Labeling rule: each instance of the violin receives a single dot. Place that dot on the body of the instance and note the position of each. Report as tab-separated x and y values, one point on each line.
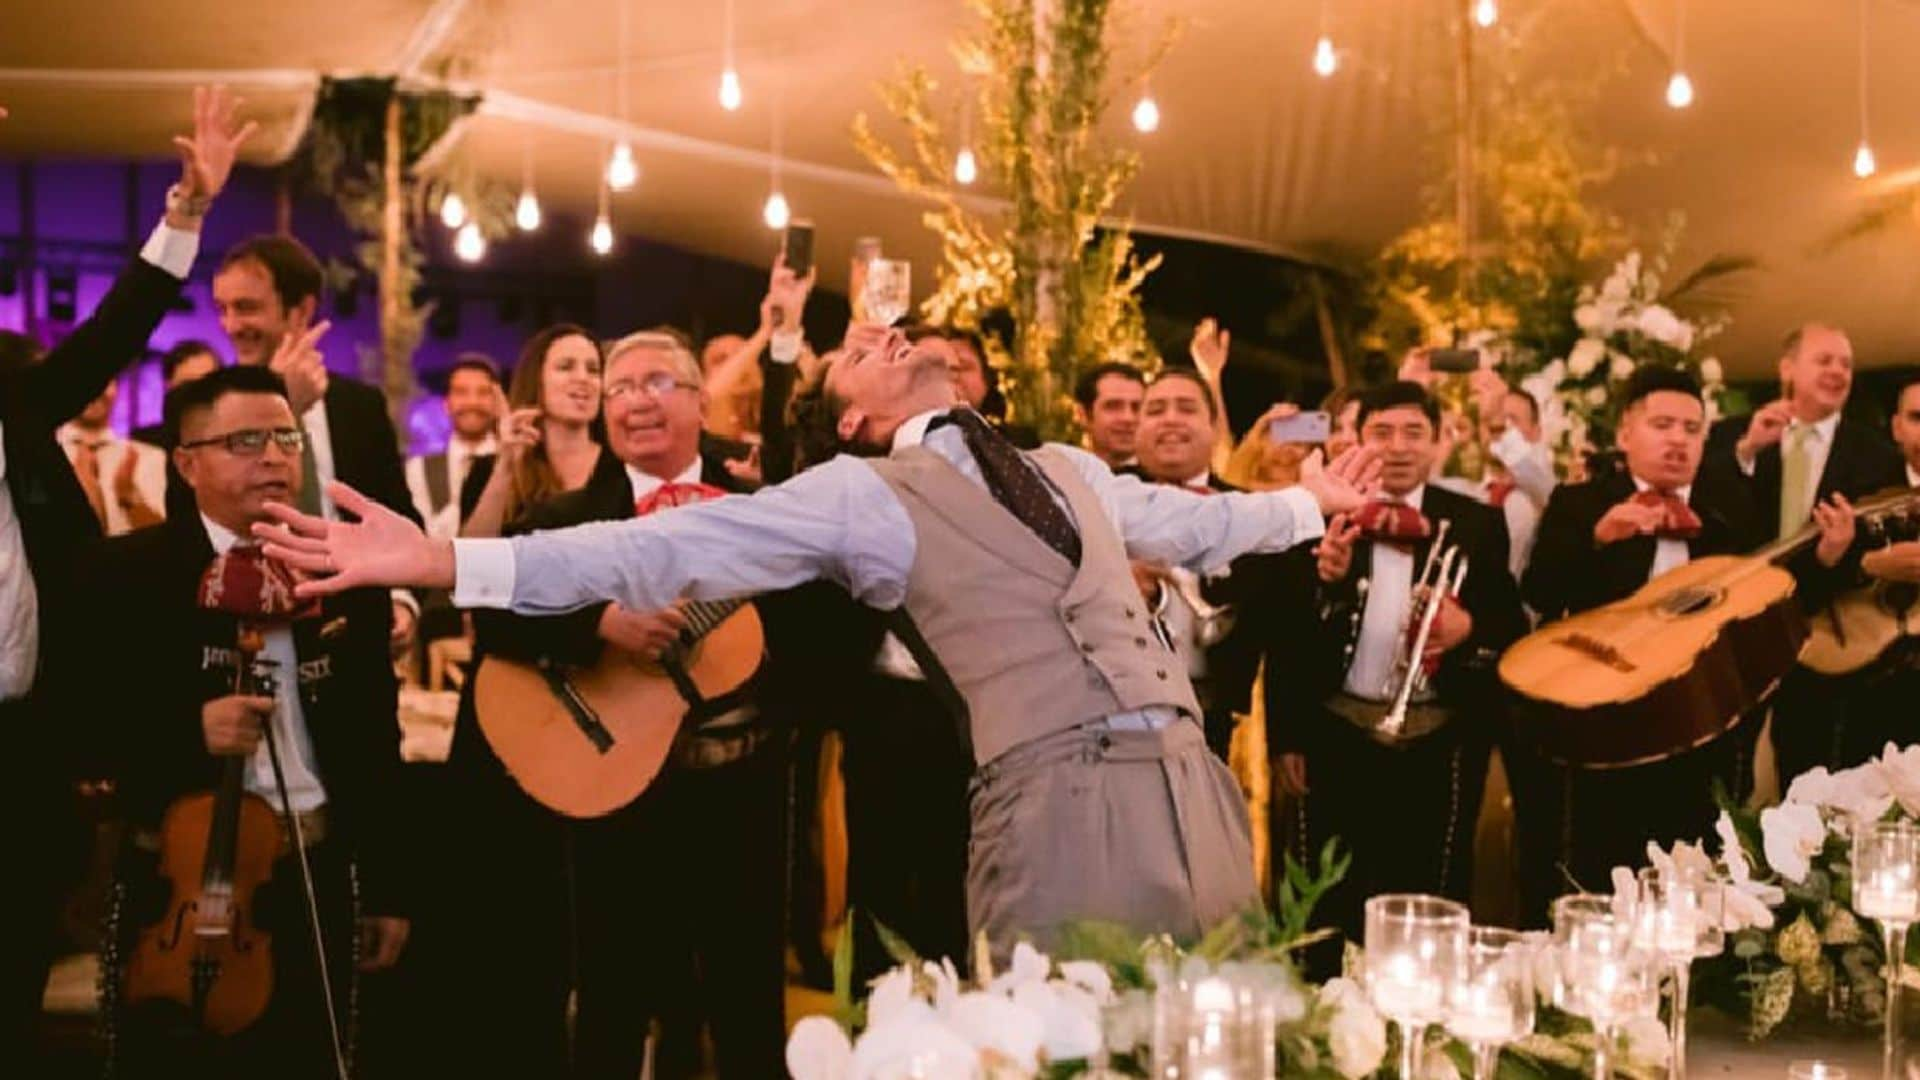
216	849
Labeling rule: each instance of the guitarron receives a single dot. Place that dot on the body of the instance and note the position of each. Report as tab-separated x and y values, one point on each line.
1672	666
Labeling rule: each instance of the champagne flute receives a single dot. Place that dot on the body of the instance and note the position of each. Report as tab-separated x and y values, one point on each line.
1415	946
1491	1004
888	291
1605	975
1679	919
1886	889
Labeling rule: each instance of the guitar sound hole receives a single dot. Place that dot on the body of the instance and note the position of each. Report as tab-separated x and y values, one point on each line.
1690	602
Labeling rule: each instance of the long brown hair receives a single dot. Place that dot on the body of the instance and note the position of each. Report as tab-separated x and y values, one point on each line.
534	478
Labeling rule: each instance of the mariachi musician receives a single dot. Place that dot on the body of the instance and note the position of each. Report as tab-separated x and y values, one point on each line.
1892	685
1599	542
669	909
1401	792
171	699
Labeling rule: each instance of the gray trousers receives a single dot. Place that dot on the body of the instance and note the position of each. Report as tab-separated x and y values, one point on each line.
1143	828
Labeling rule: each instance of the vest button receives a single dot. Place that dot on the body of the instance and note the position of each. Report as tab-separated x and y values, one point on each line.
1128	612
1161	674
1086	646
1140	641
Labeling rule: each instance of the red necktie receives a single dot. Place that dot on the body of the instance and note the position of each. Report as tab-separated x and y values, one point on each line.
1395	523
1498	490
1679	522
672	494
1198	489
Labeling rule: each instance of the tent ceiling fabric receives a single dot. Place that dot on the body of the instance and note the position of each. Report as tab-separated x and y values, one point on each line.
1253	150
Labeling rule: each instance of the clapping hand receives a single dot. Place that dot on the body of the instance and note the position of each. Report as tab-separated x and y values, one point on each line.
1627	519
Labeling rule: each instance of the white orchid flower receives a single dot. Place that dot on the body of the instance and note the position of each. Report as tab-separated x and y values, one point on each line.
1585	357
1791	835
1069	1015
818	1050
914	1043
1356	1034
1089	976
992	1021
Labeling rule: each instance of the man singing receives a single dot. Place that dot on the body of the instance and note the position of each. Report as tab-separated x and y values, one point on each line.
1095	796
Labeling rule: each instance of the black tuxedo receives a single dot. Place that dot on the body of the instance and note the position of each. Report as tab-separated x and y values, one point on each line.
1580	823
1418	838
57	531
166	658
717	834
1811	712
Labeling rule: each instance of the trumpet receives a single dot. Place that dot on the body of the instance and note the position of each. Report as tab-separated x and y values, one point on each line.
1441	577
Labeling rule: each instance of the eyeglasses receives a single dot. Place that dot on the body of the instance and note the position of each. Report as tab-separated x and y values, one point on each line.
249	442
657	386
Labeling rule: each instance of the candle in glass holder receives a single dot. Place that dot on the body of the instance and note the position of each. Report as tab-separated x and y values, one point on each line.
1402	990
1815	1070
1483	1015
1889	895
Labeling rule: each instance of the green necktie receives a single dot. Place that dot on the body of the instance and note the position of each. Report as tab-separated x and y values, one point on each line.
1796	480
309	473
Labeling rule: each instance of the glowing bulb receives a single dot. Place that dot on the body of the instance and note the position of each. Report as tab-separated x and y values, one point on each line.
1679	90
453	210
602	236
1325	60
776	213
526	212
1486	13
1863	162
469	244
621	169
965	169
1146	114
730	90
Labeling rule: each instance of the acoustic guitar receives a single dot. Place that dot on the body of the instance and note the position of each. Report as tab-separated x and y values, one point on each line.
1859	627
1674	665
587	741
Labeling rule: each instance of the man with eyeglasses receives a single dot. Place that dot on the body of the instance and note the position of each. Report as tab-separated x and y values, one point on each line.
712	824
172	716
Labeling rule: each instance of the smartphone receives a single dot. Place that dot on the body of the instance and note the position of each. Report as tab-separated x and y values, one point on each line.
1302	427
799	247
1454	361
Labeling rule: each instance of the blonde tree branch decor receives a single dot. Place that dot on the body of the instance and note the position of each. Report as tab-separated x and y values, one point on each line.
1040	72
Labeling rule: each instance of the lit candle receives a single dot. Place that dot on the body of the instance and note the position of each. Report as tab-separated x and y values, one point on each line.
1482	1015
1402	991
1888	895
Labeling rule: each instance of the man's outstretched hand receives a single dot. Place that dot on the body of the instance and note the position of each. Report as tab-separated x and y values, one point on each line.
382	548
1345	485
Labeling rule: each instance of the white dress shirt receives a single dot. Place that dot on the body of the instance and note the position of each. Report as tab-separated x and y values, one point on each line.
1384	622
839	521
169	249
445	525
1819	445
304	790
1668	552
320	445
110	450
1913	477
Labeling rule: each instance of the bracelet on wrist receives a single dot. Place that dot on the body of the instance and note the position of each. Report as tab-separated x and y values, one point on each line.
180	202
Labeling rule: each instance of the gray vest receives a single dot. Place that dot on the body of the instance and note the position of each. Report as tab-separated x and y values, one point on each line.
1033	645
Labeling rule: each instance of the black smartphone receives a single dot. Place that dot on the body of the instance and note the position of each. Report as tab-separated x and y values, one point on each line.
1454	361
799	247
1312	426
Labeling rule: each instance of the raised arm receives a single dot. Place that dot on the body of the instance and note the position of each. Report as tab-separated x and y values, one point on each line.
838	521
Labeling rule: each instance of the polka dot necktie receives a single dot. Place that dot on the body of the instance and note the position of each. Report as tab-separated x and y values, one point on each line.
1015	483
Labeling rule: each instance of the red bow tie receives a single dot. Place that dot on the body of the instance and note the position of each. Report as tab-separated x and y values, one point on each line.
1679	522
1498	491
672	494
1395	523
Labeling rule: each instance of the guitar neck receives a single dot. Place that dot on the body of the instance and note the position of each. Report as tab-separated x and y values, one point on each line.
1870	510
704	615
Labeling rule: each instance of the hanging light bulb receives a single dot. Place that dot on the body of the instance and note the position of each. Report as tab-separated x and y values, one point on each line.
730	90
1486	13
1146	115
526	212
1679	90
776	213
622	170
453	210
1863	163
601	238
1325	60
965	169
469	244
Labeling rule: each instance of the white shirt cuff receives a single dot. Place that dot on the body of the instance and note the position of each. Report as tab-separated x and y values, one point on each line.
172	250
784	348
483	573
1307	522
405	599
1746	464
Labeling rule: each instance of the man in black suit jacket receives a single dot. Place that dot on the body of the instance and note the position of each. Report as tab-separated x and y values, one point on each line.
46	530
1600	541
173	718
723	791
1404	801
1798	453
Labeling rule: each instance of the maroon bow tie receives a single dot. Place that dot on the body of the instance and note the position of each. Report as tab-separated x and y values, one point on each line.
1394	523
1678	522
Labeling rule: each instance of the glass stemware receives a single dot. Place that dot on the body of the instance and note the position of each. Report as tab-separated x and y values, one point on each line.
888	290
1886	889
1679	917
1604	974
1415	948
1491	1003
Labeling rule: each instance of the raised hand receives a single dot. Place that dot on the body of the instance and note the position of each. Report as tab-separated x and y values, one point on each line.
1334	554
298	362
517	432
786	297
1209	348
206	159
1345	485
382	548
1764	429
